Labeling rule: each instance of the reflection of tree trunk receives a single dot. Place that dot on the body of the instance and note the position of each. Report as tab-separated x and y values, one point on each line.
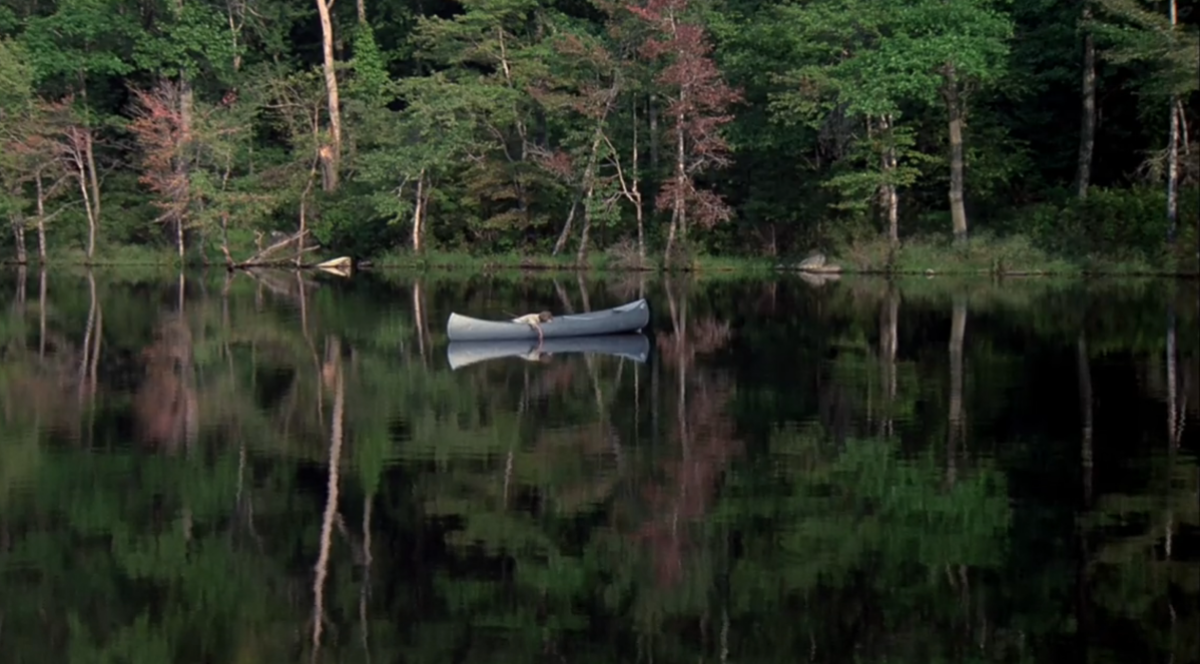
365	593
724	656
583	292
958	326
563	297
419	318
18	228
1172	381
97	336
42	313
20	300
89	331
89	360
679	325
180	292
303	301
331	496
225	321
888	343
1085	412
1083	614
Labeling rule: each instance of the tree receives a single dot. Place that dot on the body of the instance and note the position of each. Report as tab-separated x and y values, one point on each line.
193	163
162	129
851	87
954	47
426	143
1087	123
699	105
1133	32
81	41
16	101
586	87
494	52
331	155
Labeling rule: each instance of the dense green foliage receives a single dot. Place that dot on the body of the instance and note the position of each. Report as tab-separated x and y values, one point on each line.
841	484
539	126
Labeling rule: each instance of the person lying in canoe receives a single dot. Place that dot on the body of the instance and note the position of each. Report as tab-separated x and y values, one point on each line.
535	321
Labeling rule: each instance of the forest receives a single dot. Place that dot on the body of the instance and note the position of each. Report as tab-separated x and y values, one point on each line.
233	131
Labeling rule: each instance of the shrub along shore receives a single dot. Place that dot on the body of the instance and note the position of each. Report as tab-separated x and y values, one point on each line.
932	255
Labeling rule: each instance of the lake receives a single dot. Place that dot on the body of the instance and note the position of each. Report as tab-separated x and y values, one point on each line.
283	467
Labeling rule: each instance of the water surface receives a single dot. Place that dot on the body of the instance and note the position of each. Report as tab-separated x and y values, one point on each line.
277	467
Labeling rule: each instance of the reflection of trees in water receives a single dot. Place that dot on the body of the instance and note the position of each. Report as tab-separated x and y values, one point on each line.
867	537
55	384
686	478
165	405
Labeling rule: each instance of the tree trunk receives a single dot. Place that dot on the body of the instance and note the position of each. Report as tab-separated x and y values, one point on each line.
585	196
312	176
18	226
418	213
93	178
41	232
41	218
1173	154
92	210
561	242
678	218
186	99
93	205
361	7
652	111
891	201
958	211
581	253
1087	125
1173	173
331	92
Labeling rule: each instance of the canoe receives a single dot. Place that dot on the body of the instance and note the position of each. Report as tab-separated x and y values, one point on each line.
634	347
630	317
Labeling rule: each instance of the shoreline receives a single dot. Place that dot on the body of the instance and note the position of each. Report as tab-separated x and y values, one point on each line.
984	257
750	269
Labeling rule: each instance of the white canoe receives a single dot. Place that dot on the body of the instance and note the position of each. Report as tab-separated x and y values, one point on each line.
630	317
634	347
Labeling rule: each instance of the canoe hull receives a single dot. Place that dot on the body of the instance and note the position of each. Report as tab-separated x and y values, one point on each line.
630	317
634	347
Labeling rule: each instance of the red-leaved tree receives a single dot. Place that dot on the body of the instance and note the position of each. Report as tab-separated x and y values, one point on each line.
699	103
159	129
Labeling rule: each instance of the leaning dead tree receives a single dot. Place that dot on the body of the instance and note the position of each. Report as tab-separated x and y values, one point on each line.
284	249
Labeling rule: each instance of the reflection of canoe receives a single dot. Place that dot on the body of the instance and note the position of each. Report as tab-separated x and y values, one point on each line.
630	346
625	318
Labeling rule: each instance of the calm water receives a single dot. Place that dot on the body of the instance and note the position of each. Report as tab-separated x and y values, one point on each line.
270	468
